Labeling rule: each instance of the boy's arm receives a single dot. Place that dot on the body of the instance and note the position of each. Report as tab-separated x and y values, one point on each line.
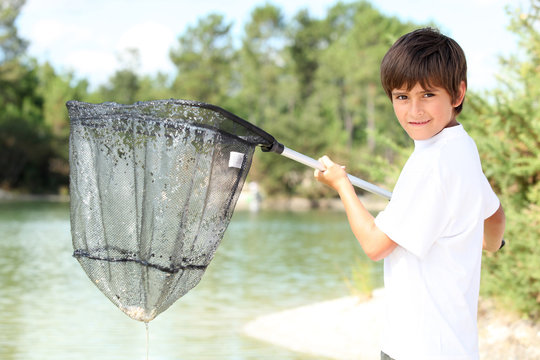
494	230
376	244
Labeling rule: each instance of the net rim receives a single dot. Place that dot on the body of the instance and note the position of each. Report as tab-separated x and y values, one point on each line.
271	143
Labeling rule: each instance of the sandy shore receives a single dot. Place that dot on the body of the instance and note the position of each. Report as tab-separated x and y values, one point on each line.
349	329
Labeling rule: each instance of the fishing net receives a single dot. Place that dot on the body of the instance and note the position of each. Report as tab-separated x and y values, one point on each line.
153	188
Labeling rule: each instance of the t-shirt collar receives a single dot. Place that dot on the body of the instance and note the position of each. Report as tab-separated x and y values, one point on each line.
446	133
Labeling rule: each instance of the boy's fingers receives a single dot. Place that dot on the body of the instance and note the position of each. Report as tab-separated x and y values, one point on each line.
325	160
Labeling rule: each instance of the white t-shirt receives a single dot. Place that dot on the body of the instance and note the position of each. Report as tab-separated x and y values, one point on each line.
432	279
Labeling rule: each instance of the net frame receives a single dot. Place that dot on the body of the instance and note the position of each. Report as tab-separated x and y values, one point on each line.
102	258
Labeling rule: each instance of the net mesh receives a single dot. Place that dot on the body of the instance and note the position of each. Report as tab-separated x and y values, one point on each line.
153	188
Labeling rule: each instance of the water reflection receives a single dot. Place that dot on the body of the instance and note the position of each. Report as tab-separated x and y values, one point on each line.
266	262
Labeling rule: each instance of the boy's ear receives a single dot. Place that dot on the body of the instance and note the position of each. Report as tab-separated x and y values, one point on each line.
462	91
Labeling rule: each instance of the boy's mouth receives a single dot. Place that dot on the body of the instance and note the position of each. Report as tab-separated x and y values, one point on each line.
419	123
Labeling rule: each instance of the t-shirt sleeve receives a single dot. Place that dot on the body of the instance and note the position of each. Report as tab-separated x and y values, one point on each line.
417	214
491	200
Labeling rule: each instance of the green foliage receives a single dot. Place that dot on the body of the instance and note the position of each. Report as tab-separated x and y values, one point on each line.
203	60
24	141
20	131
11	45
512	275
124	85
506	126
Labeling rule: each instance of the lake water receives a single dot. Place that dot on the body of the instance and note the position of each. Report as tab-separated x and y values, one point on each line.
267	262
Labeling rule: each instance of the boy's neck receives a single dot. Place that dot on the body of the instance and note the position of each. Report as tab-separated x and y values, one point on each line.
452	123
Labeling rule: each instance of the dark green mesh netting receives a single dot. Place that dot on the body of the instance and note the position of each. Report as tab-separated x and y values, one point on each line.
153	188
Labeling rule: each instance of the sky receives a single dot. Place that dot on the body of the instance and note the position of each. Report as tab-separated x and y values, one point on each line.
88	37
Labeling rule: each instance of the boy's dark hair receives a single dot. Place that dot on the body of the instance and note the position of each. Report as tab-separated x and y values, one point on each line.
427	57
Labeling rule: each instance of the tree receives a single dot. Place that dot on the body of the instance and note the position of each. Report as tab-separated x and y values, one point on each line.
260	66
310	37
123	85
55	90
203	60
11	45
24	140
268	95
11	48
33	119
348	106
506	127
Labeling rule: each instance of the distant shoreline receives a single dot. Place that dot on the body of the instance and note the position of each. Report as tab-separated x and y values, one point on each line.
10	196
372	202
280	203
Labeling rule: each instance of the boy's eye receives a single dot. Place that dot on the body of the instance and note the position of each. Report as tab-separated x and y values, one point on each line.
401	97
429	95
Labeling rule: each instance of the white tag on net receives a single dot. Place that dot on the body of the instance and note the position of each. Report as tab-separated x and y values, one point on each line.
236	159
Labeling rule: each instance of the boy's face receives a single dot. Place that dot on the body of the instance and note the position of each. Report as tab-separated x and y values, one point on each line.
423	113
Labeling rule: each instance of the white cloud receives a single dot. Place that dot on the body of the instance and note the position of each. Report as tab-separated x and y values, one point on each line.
489	2
45	33
49	33
96	65
43	6
153	41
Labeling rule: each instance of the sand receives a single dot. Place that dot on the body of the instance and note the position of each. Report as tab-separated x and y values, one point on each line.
349	329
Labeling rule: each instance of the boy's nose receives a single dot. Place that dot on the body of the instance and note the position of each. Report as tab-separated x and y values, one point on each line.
416	108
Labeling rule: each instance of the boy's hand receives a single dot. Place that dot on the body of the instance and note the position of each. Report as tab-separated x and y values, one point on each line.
376	244
334	175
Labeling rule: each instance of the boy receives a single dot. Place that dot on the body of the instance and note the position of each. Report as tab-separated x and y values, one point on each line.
430	234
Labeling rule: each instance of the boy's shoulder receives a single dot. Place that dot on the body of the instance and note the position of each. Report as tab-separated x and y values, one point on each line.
450	154
458	148
452	143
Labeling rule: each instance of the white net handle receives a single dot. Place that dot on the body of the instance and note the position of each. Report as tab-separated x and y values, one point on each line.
362	184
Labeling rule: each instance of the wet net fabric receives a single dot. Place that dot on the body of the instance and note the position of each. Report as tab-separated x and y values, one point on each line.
153	188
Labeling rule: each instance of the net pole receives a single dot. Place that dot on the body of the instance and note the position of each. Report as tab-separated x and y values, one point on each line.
362	184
